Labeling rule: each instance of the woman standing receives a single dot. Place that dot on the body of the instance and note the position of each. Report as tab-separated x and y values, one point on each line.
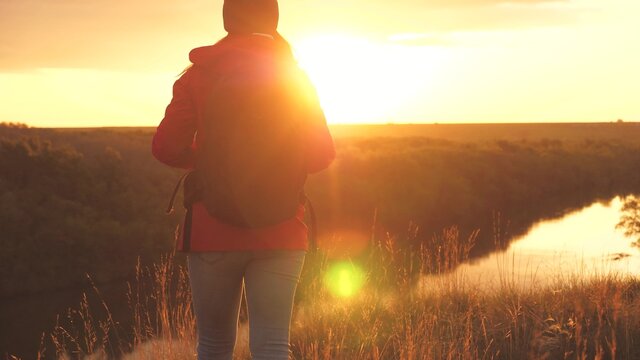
247	121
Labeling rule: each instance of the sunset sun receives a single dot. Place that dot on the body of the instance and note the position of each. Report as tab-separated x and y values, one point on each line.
360	80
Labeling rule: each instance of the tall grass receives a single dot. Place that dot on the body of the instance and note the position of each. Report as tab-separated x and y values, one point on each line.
413	305
162	323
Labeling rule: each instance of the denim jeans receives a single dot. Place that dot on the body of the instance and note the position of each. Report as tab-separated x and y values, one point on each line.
270	280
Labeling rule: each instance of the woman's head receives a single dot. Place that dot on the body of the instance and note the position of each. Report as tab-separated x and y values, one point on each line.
250	16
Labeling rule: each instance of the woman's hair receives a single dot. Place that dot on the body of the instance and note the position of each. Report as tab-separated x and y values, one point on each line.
250	16
185	70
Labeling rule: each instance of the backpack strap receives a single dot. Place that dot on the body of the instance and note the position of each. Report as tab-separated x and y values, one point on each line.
186	235
313	225
171	208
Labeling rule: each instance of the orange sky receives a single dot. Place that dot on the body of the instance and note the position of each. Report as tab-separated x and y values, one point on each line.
112	62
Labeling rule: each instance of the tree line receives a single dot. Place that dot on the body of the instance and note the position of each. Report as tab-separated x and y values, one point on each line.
92	201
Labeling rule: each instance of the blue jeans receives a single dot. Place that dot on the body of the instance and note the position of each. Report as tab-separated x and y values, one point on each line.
270	281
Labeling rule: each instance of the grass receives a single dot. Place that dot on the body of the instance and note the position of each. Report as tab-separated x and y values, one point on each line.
413	305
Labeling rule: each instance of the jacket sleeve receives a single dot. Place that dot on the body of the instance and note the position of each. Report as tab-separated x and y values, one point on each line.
173	142
320	147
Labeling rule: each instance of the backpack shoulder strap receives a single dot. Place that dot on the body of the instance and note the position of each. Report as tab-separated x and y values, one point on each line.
313	224
170	207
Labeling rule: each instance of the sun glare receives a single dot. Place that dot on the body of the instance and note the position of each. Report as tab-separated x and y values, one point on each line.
344	279
362	81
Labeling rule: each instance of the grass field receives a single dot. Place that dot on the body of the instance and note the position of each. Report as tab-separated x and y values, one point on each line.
619	131
410	306
490	132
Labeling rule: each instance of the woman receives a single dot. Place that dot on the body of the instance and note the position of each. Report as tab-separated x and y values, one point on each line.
223	253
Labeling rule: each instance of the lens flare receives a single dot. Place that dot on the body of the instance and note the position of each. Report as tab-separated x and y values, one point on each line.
344	279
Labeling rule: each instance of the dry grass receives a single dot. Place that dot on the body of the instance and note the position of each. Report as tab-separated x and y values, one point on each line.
412	306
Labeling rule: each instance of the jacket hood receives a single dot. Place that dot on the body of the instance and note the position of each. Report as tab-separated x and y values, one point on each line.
243	46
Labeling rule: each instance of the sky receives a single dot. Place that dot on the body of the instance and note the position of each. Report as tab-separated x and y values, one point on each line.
77	63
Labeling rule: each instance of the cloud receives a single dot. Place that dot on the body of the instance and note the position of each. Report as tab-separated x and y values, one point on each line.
147	34
100	33
481	3
421	39
470	15
382	18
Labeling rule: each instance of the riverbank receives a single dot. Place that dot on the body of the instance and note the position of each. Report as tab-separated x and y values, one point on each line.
598	320
409	304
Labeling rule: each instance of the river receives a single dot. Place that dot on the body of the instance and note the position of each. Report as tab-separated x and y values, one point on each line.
583	243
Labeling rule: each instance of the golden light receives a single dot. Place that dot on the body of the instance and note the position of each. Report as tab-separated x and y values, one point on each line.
360	80
85	97
344	279
345	243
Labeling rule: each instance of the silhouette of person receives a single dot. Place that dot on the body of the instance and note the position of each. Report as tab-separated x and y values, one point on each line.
223	256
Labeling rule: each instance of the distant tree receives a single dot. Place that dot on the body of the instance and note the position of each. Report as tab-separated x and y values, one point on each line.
13	125
109	167
630	220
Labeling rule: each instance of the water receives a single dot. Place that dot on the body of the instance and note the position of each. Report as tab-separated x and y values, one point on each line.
583	243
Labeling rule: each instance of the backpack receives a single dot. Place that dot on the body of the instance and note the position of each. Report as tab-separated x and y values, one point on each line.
251	170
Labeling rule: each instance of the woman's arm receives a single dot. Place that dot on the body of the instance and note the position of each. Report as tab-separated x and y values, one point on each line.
321	151
173	142
320	147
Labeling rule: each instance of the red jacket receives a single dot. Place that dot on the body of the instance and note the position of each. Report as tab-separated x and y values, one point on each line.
176	144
